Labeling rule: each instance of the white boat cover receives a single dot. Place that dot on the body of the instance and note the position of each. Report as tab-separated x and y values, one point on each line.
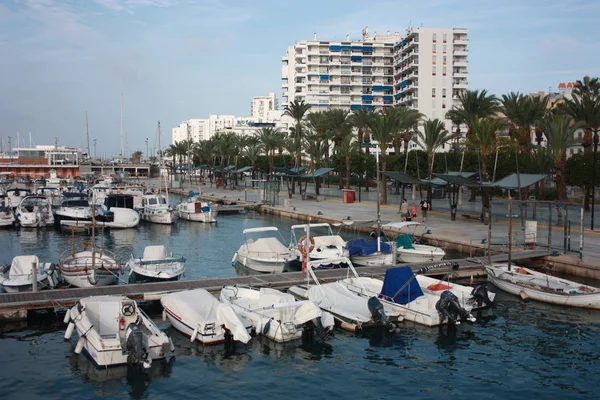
268	245
154	253
306	312
329	240
339	300
198	305
272	297
21	266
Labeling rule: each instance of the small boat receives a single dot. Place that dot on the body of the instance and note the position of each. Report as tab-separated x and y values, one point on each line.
119	212
156	209
20	275
369	252
328	246
94	266
408	248
201	316
34	211
530	284
75	207
195	210
113	331
277	315
7	216
266	254
472	298
350	309
155	265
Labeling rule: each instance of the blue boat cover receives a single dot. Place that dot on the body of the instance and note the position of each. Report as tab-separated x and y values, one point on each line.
364	247
396	278
205	209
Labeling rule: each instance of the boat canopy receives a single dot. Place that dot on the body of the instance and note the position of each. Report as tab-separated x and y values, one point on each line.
153	253
22	266
400	285
262	229
319	225
365	247
401	225
267	246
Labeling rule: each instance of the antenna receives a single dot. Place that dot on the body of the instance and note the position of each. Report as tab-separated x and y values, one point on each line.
55	142
87	134
122	139
314	35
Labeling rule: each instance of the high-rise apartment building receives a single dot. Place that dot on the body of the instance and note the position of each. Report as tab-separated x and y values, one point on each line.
423	69
261	107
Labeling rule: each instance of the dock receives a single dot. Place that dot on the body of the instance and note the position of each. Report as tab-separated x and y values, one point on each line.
14	306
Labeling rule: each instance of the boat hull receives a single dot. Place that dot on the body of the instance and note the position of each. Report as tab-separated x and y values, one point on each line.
374	259
269	266
420	253
19	287
205	217
166	218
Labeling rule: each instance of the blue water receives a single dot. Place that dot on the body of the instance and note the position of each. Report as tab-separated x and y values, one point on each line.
517	350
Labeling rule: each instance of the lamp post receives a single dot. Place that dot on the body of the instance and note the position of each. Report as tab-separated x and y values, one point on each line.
594	175
95	142
147	155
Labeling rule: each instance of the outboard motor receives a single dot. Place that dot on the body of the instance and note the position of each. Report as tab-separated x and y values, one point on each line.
378	313
134	341
317	326
480	296
449	308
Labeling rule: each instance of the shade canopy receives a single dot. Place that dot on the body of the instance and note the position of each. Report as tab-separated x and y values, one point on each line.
317	173
402	178
243	169
456	179
512	181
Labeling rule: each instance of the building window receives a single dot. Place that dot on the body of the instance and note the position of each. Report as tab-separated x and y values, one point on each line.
443	105
444	48
434	38
432	92
444	71
433	70
434	48
444	92
433	59
445	37
444	60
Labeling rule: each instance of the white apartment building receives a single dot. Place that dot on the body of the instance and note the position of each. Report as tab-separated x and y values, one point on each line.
423	69
261	108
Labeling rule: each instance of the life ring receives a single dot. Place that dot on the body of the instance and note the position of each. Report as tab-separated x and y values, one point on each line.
301	245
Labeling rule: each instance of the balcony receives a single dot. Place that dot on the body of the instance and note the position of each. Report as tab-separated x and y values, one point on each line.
461	62
460	53
462	74
460	84
459	40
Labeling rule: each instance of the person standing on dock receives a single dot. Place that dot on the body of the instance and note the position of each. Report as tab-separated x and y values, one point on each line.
404	209
424	209
413	212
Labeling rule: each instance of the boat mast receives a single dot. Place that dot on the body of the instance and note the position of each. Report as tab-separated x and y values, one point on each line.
87	134
378	203
122	141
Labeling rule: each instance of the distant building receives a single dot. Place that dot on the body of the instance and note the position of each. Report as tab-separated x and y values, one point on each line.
262	107
39	160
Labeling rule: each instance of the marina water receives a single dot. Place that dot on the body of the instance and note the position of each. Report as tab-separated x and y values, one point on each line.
516	350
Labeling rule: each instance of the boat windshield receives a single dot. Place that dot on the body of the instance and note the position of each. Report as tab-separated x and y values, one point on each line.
163	200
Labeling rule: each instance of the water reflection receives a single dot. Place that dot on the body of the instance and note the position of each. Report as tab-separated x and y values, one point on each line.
136	377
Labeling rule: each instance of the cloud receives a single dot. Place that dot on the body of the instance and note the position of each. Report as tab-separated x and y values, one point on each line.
130	5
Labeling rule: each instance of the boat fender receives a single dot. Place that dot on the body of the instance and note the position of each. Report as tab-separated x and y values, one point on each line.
164	315
171	345
69	330
80	344
327	320
349	326
524	296
194	334
266	328
67	317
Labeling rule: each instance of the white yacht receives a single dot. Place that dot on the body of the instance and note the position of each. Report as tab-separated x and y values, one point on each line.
321	246
15	195
193	209
156	209
34	211
264	254
113	330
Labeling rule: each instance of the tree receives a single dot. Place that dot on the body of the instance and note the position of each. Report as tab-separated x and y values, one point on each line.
560	132
270	140
383	126
523	113
578	170
136	157
338	122
431	139
297	110
348	146
360	120
408	120
252	152
474	104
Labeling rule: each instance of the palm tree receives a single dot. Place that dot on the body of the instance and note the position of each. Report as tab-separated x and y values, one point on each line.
338	121
360	119
270	141
523	112
560	132
474	104
297	110
431	139
347	147
484	137
383	127
317	121
315	148
408	119
136	157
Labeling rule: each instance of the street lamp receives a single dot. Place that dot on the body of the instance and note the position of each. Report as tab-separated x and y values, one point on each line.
146	148
95	141
594	175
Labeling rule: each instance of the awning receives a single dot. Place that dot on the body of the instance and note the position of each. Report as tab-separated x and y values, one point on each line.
286	171
317	173
243	169
455	179
402	178
511	181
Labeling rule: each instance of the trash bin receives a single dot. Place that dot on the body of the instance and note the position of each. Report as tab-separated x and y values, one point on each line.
348	195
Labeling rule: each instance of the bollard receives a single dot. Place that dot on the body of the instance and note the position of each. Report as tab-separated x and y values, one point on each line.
34	282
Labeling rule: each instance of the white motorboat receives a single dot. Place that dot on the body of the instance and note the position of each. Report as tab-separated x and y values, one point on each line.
539	286
20	275
471	298
350	309
34	211
15	195
94	266
53	195
265	254
371	252
156	265
400	291
409	251
199	315
113	330
7	216
75	207
277	315
321	247
156	209
119	212
195	210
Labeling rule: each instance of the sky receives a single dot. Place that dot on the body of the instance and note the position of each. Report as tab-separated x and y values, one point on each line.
178	59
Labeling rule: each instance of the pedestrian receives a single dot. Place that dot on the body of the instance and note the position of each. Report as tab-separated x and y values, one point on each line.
424	209
413	212
404	209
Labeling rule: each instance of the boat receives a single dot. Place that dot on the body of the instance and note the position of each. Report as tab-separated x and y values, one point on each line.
322	247
371	251
119	212
155	265
53	179
265	254
409	248
530	284
193	209
351	310
7	216
201	316
401	292
15	195
155	209
93	266
75	207
20	275
275	314
52	194
113	330
99	193
34	211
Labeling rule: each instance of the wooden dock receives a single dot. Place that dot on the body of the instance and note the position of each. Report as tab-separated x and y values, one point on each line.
14	306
